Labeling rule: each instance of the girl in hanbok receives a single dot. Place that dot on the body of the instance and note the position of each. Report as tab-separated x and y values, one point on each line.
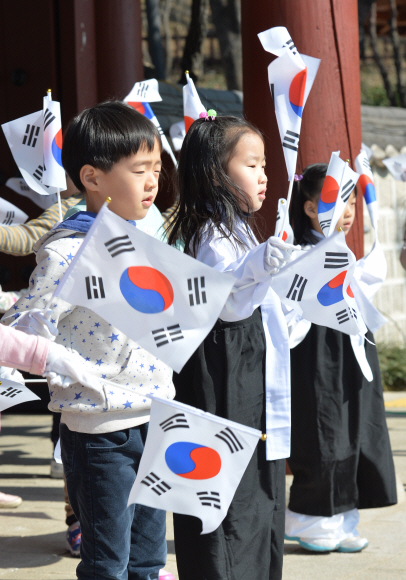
241	370
341	457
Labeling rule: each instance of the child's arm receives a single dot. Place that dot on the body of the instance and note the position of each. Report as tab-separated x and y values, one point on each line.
23	352
249	270
45	278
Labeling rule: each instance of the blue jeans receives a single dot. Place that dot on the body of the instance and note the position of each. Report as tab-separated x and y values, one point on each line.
118	542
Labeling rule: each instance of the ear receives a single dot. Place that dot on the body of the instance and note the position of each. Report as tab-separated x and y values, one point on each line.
311	209
89	177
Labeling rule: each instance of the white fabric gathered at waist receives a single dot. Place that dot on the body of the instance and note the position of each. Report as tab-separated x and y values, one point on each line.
337	527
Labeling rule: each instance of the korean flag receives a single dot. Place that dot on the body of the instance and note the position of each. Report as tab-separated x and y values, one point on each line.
192	463
25	139
13	393
54	173
162	299
317	286
366	181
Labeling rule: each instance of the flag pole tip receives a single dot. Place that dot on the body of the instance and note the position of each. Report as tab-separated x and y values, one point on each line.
108	199
347	160
339	229
49	91
263	437
282	201
186	72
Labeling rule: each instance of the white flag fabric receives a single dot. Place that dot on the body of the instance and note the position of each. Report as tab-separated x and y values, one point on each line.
144	92
145	109
317	286
291	77
338	185
11	215
18	185
25	139
397	166
162	299
192	105
287	235
192	462
13	393
366	181
54	173
177	132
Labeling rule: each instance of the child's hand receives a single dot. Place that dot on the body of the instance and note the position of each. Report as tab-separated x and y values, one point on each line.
37	322
64	368
275	261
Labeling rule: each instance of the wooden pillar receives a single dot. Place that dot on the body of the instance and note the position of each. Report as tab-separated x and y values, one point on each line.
332	117
119	47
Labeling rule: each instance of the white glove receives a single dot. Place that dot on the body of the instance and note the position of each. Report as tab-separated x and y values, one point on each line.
11	375
64	368
277	254
37	322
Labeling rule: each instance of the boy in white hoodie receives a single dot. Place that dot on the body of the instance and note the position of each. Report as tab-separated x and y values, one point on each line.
109	150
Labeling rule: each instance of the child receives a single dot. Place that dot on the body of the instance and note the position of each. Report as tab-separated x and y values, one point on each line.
109	150
341	458
241	370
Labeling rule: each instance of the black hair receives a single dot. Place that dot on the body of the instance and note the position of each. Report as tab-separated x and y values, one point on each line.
103	135
307	189
206	199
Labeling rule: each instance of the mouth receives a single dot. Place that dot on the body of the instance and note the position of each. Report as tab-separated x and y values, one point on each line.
262	194
148	200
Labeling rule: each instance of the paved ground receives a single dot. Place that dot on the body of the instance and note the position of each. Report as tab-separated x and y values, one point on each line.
32	542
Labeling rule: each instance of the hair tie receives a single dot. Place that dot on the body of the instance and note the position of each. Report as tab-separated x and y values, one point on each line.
209	116
298	177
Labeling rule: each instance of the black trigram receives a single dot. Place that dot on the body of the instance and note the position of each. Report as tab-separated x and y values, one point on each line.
209	498
24	187
142	90
229	437
172	333
38	173
336	260
8	220
156	484
31	135
289	44
177	421
346	190
94	287
366	164
345	315
291	140
48	118
119	245
273	93
160	130
11	392
325	224
297	288
197	288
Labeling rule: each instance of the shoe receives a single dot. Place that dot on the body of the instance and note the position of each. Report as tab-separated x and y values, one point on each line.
73	539
292	538
165	575
353	544
9	501
319	544
56	470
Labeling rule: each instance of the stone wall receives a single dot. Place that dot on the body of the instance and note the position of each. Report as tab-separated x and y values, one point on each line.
391	298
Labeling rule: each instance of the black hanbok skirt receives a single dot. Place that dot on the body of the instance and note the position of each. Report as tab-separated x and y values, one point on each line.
226	377
341	456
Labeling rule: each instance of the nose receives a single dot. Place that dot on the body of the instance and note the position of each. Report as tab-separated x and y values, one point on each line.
263	178
151	181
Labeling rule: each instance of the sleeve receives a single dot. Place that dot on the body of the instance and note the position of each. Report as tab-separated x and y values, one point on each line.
20	240
51	265
22	351
252	283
